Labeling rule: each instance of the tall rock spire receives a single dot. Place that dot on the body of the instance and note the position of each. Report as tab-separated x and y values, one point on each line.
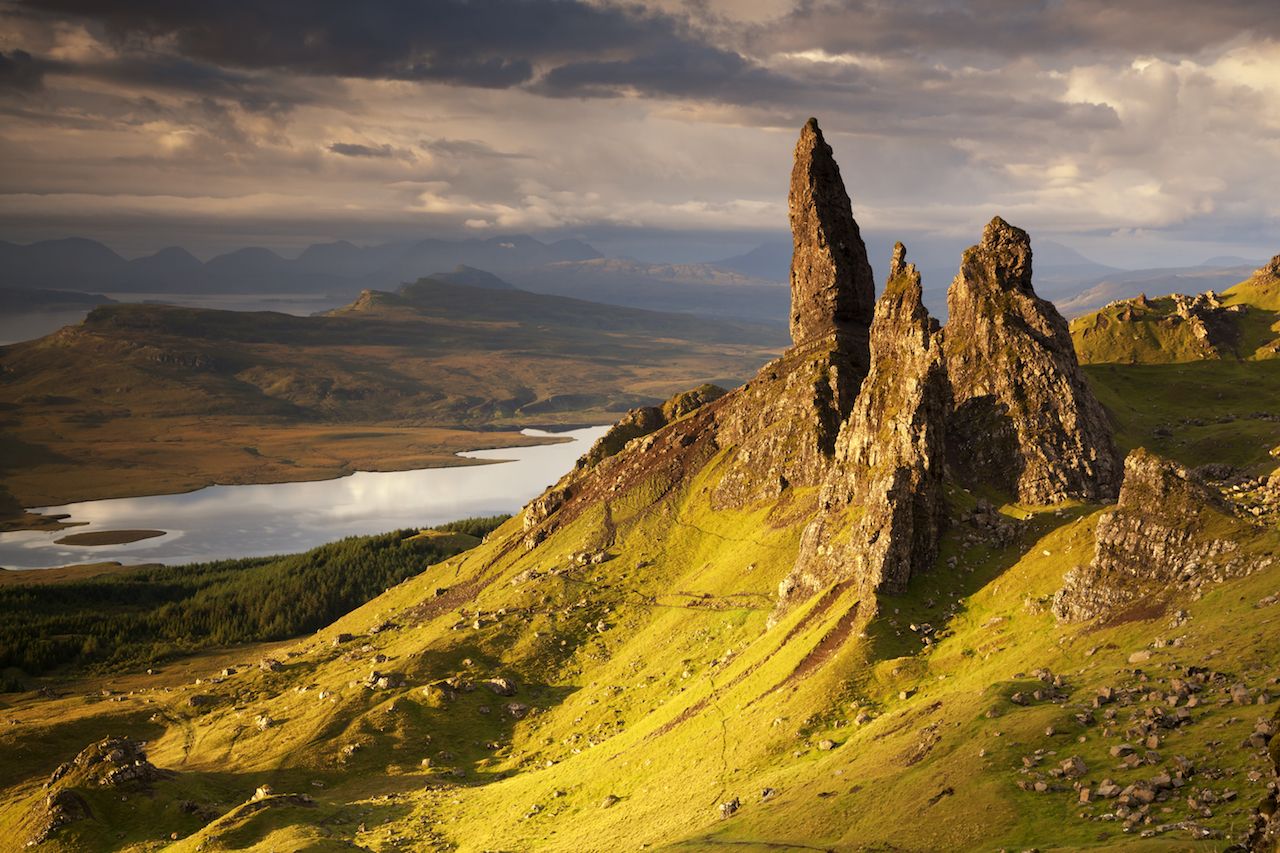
1025	419
881	509
832	288
786	420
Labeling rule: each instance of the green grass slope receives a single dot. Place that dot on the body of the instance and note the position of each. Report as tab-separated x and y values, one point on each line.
1242	324
650	692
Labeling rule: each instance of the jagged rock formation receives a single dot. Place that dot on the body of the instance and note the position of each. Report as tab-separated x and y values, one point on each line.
639	422
785	421
783	424
832	288
1212	323
1173	328
1157	538
1024	418
881	509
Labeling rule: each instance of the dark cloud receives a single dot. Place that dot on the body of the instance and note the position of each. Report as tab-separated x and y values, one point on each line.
1017	28
355	149
20	72
675	70
485	43
472	148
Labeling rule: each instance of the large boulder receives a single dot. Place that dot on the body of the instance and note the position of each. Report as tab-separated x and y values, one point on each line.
1164	534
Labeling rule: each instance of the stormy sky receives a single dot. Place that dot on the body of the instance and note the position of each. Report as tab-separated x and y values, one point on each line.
1138	132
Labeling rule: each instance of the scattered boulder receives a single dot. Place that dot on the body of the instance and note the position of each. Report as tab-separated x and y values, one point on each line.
501	686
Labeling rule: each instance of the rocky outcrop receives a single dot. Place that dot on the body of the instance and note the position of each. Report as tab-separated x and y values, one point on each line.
832	288
113	762
1024	420
783	424
1156	539
1170	329
1212	323
881	508
779	430
637	424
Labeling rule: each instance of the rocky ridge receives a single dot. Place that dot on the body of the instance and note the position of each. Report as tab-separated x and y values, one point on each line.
1164	533
886	479
1195	327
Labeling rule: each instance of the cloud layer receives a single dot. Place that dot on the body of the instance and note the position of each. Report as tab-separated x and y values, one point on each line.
1149	123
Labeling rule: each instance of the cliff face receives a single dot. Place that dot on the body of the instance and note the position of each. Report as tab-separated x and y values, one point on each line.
1024	419
1160	536
881	509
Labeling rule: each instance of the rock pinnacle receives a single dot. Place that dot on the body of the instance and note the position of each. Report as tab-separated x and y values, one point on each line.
832	288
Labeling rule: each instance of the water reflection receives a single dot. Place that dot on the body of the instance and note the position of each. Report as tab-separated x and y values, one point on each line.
245	521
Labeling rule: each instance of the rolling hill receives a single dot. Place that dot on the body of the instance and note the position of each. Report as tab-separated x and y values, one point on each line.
1241	323
116	405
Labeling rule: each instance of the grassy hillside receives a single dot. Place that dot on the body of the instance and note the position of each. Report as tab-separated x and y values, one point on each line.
650	690
141	399
1242	324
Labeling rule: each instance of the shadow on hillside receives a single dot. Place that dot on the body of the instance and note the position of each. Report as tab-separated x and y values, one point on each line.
934	599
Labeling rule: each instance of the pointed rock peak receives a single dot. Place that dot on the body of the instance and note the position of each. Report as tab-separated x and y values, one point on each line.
903	299
1025	419
832	289
1272	268
898	263
882	506
1005	251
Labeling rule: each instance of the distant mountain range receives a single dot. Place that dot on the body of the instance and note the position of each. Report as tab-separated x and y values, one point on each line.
749	286
339	268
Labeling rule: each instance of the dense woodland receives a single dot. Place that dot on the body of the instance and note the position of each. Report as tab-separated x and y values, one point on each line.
149	614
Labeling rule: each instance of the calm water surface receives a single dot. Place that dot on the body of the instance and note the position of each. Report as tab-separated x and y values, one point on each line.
221	522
